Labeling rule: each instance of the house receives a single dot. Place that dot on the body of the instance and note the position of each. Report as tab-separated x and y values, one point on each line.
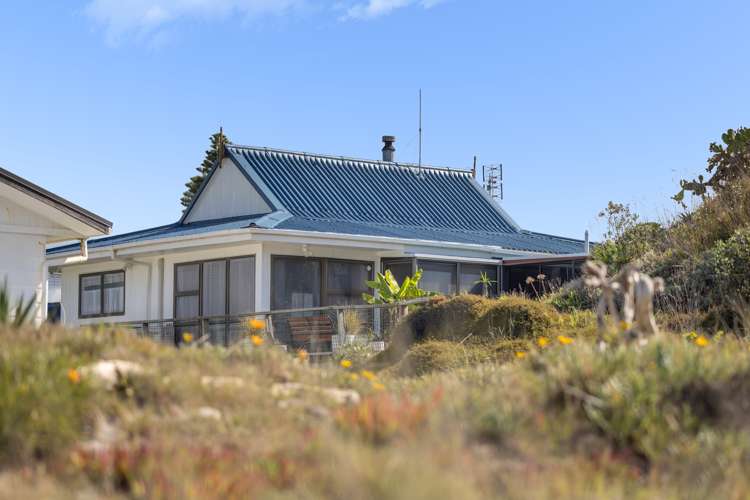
274	230
31	218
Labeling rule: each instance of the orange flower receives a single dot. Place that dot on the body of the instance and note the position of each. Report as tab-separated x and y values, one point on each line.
701	341
369	375
378	386
542	341
302	355
564	340
256	324
257	340
74	376
345	363
187	337
354	377
520	354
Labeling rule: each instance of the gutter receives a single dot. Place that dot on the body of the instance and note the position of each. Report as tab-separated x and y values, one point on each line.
60	260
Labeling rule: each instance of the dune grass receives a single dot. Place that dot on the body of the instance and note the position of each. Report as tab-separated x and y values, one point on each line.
668	419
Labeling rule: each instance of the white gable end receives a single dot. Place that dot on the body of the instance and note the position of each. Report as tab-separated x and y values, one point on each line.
227	194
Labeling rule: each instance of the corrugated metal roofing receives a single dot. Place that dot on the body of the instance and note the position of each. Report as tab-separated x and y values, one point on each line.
373	192
168	231
319	193
523	241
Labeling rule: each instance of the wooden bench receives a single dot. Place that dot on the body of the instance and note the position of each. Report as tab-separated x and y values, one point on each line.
313	332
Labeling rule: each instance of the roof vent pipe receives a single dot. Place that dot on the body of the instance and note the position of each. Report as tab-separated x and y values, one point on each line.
389	151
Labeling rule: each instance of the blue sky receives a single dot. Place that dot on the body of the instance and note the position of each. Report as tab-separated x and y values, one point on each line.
110	102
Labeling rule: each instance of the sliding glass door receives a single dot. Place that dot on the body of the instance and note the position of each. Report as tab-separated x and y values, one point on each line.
216	290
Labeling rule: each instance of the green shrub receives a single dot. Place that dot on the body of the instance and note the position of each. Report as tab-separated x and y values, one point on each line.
514	316
442	355
43	406
572	297
472	319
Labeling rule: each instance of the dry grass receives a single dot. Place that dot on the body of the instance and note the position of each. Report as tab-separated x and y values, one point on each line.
667	420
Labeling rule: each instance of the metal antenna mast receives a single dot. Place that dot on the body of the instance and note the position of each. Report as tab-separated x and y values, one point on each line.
420	129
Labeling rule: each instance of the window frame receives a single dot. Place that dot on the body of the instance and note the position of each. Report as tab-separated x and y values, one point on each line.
323	262
101	275
199	292
459	264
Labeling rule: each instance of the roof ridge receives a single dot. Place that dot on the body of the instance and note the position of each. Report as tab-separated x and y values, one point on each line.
351	158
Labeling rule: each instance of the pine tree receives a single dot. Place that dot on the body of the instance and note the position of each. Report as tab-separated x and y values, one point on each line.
212	154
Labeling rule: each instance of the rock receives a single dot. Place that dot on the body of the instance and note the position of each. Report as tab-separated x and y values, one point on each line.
285	389
109	372
209	413
218	382
342	396
289	390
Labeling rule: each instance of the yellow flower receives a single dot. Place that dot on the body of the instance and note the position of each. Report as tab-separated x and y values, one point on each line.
257	340
74	376
369	375
378	386
345	363
302	355
354	377
564	340
624	326
187	337
256	324
701	341
542	342
520	354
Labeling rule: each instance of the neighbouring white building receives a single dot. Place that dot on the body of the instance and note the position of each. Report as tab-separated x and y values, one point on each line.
30	219
275	230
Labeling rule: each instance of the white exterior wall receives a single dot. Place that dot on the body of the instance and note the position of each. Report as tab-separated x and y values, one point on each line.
22	264
23	236
227	194
144	301
136	292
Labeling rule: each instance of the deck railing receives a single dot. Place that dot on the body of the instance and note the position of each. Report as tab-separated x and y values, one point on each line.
318	330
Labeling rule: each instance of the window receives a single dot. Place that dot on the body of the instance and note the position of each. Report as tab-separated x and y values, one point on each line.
400	268
472	273
214	288
101	294
346	282
298	282
438	276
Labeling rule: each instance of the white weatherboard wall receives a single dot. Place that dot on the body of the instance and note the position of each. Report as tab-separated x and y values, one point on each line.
227	194
23	236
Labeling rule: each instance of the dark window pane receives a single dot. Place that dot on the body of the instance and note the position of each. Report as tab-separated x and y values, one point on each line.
296	283
242	285
472	273
400	270
438	277
91	295
215	288
114	293
188	277
347	281
187	307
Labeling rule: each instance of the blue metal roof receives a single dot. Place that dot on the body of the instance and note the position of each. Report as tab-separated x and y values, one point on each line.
161	232
369	191
327	194
523	241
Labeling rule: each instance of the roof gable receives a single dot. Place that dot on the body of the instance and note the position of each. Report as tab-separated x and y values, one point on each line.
344	189
226	193
60	212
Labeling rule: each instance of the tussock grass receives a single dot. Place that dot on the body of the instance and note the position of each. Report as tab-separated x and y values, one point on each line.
669	419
